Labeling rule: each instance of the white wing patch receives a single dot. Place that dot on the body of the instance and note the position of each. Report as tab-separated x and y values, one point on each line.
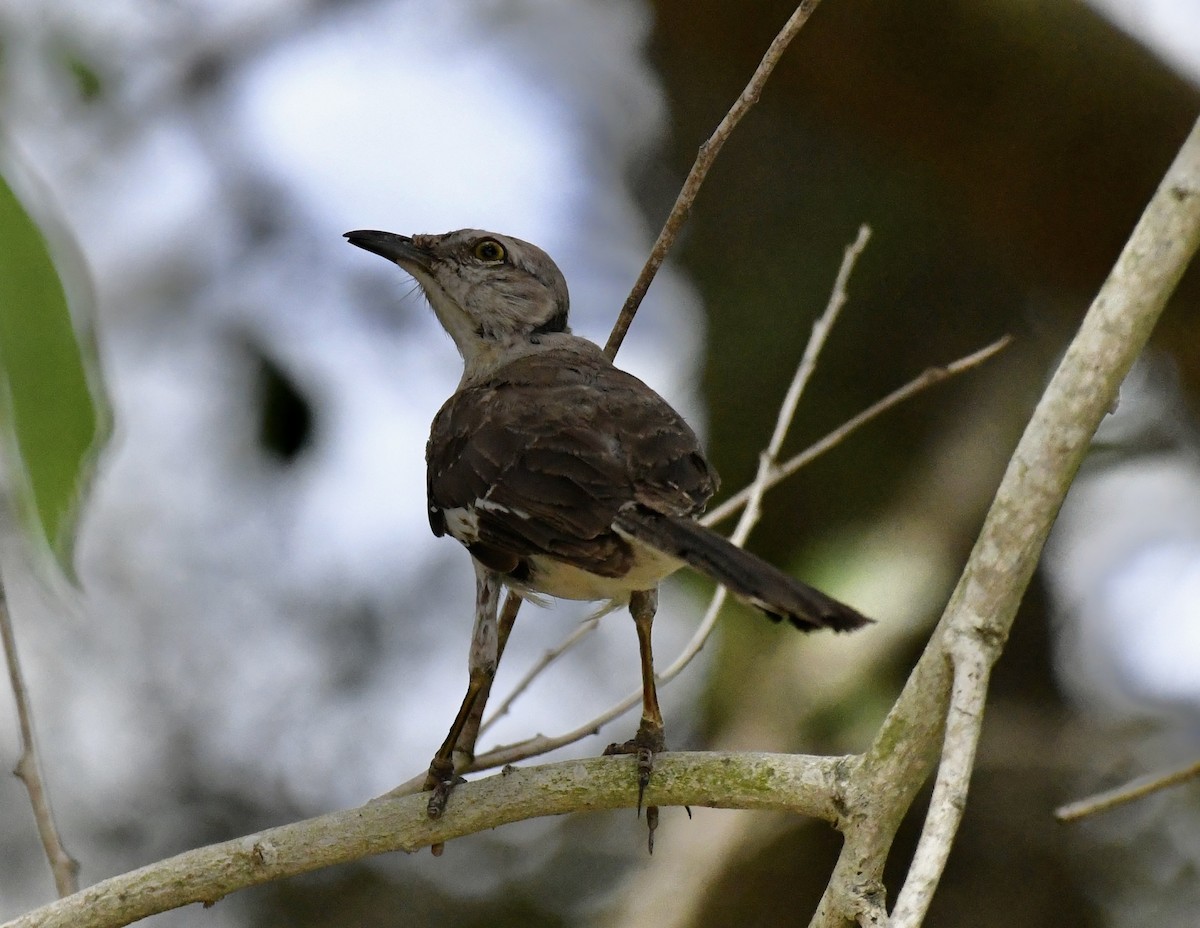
462	522
488	505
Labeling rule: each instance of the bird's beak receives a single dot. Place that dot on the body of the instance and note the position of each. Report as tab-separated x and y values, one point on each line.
397	248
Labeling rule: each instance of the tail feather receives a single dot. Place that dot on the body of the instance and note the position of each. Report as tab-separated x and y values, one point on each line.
746	576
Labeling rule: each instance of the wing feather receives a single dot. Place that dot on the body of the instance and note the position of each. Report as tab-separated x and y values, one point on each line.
547	451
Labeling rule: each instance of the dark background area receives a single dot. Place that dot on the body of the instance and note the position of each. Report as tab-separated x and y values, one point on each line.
1001	154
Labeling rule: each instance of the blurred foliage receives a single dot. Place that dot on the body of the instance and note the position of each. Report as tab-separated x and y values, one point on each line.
86	79
50	421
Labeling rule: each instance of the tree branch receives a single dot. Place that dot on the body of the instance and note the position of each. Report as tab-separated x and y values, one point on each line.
972	631
963	725
704	160
29	767
923	381
1127	792
798	784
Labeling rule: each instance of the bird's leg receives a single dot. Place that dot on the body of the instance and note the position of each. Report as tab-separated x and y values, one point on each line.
649	738
464	750
484	658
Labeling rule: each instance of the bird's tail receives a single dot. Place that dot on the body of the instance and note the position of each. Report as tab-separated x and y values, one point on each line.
746	576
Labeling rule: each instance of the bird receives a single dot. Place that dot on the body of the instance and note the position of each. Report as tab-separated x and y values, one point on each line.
563	475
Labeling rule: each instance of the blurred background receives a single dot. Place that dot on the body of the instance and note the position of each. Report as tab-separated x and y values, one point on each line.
265	629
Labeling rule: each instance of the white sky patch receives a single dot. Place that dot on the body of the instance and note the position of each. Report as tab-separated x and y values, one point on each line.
1171	28
160	189
1123	562
387	121
1154	626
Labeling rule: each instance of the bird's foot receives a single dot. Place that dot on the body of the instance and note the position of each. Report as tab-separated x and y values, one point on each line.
439	783
644	745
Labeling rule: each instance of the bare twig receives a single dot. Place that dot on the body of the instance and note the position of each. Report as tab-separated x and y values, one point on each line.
585	628
967	697
29	768
1127	792
798	784
972	631
808	364
543	744
767	460
923	381
704	160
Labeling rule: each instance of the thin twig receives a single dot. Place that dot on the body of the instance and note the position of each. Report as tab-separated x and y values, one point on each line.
585	628
543	744
767	460
923	381
816	344
704	160
1128	792
804	371
29	767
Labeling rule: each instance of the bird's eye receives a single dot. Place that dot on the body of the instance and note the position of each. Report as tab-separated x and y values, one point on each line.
490	250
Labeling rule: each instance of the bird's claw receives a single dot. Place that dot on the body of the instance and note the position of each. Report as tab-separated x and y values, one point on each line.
644	745
439	783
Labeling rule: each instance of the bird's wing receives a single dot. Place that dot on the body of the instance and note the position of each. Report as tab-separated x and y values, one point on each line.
541	457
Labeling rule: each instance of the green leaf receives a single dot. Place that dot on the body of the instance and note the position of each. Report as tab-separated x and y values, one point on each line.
49	419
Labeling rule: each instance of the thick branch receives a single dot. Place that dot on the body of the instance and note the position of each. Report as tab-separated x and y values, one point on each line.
803	785
977	620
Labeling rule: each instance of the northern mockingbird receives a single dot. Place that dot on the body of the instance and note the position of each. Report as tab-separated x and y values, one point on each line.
561	474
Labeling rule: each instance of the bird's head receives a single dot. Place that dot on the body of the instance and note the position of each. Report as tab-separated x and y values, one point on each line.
488	290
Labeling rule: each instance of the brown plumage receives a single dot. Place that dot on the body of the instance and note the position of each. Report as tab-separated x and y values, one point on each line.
562	474
535	442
